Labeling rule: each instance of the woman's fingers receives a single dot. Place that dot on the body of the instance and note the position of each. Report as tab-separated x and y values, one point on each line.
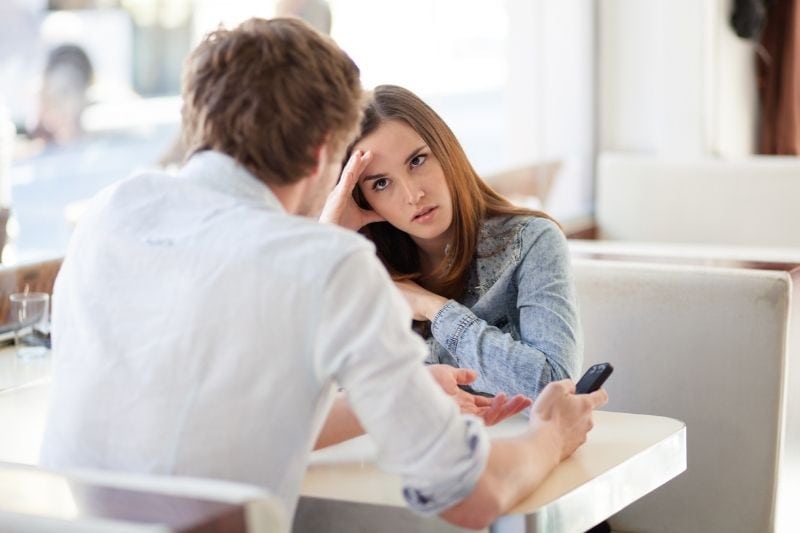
503	407
352	170
517	404
340	207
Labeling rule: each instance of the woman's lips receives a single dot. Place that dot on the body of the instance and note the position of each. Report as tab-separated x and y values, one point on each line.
426	215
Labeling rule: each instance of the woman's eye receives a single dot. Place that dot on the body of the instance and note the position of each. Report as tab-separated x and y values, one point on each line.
418	160
380	184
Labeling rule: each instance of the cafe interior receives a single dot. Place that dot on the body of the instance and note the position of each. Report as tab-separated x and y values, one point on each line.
662	135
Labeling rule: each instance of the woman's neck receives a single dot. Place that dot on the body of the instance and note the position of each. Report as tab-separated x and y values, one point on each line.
432	252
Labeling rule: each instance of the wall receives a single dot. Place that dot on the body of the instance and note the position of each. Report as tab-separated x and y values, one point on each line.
551	95
674	79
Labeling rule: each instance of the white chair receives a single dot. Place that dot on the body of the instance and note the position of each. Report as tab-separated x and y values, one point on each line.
37	500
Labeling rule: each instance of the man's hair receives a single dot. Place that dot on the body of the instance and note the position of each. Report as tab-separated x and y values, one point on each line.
269	93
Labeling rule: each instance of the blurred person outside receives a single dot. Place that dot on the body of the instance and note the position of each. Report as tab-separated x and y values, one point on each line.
63	97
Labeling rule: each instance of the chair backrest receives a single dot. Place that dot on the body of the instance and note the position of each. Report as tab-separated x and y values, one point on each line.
712	347
535	180
39	500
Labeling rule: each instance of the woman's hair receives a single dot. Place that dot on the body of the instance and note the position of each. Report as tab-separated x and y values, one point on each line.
269	93
473	200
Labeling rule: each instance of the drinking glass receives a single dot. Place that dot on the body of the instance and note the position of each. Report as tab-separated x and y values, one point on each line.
31	311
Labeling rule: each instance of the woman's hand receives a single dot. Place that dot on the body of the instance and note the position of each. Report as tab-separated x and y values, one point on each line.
492	410
340	207
424	304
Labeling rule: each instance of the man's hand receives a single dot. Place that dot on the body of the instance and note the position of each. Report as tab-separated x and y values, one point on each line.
492	410
566	416
424	304
340	207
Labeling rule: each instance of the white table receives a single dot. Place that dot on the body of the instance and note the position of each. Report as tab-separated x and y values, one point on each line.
625	457
15	372
24	386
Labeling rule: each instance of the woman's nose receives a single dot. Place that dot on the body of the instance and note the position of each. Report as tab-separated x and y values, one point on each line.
414	192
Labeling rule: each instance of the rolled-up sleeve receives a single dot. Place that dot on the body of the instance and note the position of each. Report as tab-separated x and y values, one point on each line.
366	345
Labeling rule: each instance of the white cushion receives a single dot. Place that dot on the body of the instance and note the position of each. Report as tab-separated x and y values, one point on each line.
750	202
707	346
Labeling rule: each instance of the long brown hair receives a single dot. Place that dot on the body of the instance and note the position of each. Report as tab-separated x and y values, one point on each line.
473	200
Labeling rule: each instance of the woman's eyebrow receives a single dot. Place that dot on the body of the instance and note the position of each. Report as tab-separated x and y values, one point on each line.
413	154
373	177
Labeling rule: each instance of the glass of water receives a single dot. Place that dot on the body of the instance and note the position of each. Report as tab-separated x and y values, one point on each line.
31	312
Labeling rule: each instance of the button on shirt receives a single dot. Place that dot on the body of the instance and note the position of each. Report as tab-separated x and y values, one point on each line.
201	330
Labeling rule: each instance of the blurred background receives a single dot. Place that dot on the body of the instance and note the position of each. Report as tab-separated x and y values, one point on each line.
534	89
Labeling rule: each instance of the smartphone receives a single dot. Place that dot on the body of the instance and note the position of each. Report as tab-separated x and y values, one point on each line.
467	388
594	378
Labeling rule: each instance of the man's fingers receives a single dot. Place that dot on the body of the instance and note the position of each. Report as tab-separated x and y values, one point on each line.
598	398
557	389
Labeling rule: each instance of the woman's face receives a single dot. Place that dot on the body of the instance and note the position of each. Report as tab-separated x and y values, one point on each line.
404	183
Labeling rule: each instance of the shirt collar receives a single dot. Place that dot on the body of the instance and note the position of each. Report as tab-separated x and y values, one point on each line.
222	173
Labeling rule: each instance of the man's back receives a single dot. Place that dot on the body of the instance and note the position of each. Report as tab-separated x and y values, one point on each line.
186	321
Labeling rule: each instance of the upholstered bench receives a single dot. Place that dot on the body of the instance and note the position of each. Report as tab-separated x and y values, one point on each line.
714	342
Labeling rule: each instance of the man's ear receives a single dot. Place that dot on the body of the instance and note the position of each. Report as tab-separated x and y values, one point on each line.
322	154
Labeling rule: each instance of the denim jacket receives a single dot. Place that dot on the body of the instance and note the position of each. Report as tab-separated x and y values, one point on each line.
517	323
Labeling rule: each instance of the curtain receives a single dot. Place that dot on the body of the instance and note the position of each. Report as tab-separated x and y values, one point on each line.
779	79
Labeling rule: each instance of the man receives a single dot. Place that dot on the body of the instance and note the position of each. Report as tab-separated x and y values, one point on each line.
201	323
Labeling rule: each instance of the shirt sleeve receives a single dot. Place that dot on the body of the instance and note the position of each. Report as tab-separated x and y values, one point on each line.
366	344
548	348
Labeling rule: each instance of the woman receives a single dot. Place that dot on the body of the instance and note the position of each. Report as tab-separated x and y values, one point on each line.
489	282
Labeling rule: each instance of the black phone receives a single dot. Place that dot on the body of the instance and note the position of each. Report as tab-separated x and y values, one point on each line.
594	378
467	388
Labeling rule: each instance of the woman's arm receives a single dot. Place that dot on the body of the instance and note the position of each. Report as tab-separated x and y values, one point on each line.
549	345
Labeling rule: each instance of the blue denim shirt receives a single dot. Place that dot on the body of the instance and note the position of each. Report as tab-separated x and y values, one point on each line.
517	323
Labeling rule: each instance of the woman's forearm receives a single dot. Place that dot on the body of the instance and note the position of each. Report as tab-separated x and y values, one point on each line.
503	363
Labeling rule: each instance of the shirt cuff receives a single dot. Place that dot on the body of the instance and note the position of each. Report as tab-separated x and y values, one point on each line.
457	480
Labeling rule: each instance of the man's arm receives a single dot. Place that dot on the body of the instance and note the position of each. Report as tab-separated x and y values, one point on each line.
363	343
560	421
341	424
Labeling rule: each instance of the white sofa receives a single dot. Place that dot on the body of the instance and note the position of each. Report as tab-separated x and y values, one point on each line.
747	202
720	349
